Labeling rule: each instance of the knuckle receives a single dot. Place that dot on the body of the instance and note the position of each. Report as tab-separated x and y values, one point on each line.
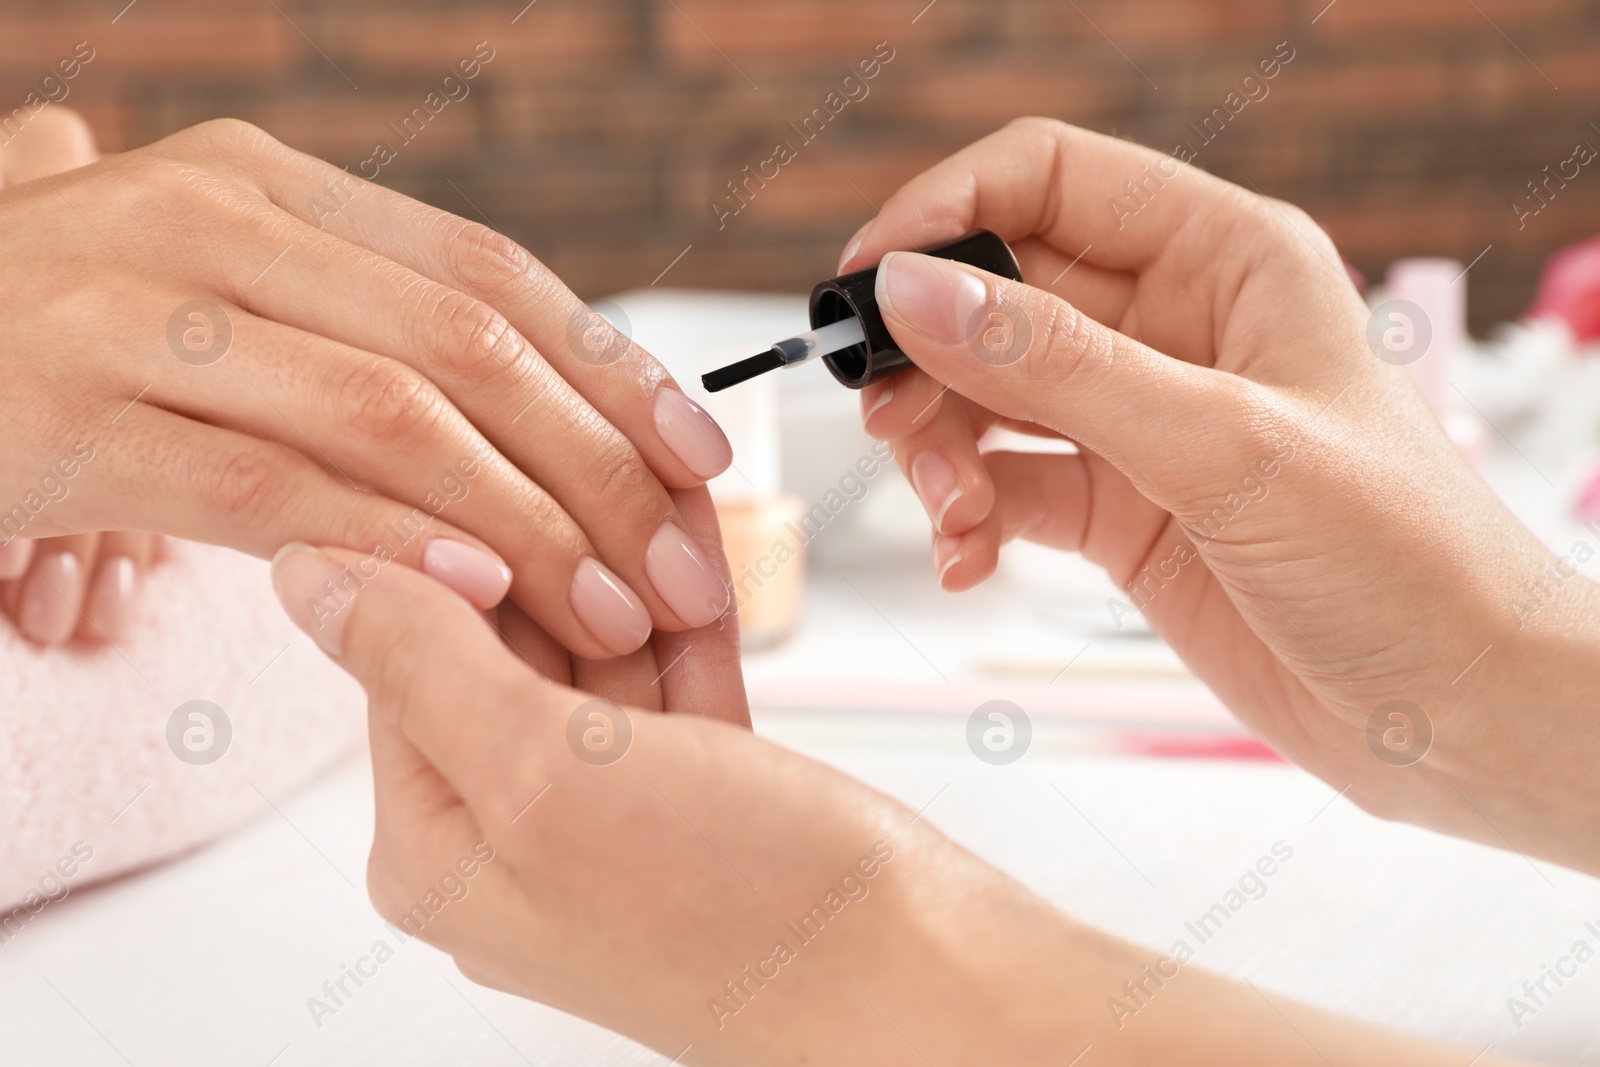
153	183
249	485
383	884
487	262
1071	342
233	134
472	340
622	474
381	400
1037	126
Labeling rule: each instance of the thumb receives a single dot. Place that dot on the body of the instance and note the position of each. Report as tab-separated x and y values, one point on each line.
57	140
1027	354
431	665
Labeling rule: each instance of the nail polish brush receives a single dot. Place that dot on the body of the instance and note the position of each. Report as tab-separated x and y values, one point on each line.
848	334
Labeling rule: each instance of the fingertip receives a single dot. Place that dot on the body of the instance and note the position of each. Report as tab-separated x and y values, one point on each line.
874	398
15	555
109	608
481	577
610	610
52	598
964	560
314	590
59	139
947	555
852	248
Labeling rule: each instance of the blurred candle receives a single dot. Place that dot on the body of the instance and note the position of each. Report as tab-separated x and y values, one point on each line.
1438	288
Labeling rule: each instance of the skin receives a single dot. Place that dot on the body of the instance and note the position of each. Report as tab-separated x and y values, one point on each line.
1290	515
111	565
1353	553
378	345
630	893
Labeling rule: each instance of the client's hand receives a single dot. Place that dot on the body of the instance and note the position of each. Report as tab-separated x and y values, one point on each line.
715	897
84	584
219	338
1277	501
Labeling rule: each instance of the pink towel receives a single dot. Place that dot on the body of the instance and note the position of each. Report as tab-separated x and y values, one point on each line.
106	765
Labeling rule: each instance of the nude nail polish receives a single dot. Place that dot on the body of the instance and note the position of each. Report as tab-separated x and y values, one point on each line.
15	555
854	244
883	400
937	486
684	577
611	611
109	608
301	576
478	576
51	594
693	435
938	298
946	554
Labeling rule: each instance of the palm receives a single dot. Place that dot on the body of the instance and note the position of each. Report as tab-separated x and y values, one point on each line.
1270	611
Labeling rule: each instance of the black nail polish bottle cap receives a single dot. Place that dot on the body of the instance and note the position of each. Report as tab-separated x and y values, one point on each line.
850	294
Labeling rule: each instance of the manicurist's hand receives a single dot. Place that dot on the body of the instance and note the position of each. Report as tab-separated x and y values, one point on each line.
84	585
610	838
222	339
1275	499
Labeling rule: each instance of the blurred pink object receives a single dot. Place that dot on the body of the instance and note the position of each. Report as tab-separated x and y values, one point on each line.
1589	502
101	770
1438	289
1569	289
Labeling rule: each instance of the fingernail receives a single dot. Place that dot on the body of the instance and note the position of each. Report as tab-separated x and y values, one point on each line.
612	612
14	557
111	597
934	479
935	297
693	435
883	398
50	597
854	246
314	590
475	574
946	554
684	578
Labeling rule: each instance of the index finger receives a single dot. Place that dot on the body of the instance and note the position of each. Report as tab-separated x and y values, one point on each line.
1043	178
680	442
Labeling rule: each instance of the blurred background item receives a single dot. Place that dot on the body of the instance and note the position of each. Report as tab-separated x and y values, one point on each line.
604	134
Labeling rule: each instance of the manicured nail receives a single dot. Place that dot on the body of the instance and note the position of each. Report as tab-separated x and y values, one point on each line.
111	597
475	574
15	555
612	612
854	246
693	435
935	297
882	400
315	591
684	577
934	479
946	554
51	594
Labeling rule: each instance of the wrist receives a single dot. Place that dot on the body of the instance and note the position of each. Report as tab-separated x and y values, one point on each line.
1514	750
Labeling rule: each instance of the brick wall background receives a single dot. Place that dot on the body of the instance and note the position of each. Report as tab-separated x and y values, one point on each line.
603	130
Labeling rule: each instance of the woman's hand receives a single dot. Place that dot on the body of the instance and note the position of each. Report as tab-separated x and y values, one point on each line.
622	856
84	585
218	338
1277	501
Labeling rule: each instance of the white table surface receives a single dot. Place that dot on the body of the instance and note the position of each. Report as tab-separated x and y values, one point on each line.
210	960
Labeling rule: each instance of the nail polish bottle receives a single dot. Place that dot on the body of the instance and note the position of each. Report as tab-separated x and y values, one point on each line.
847	331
